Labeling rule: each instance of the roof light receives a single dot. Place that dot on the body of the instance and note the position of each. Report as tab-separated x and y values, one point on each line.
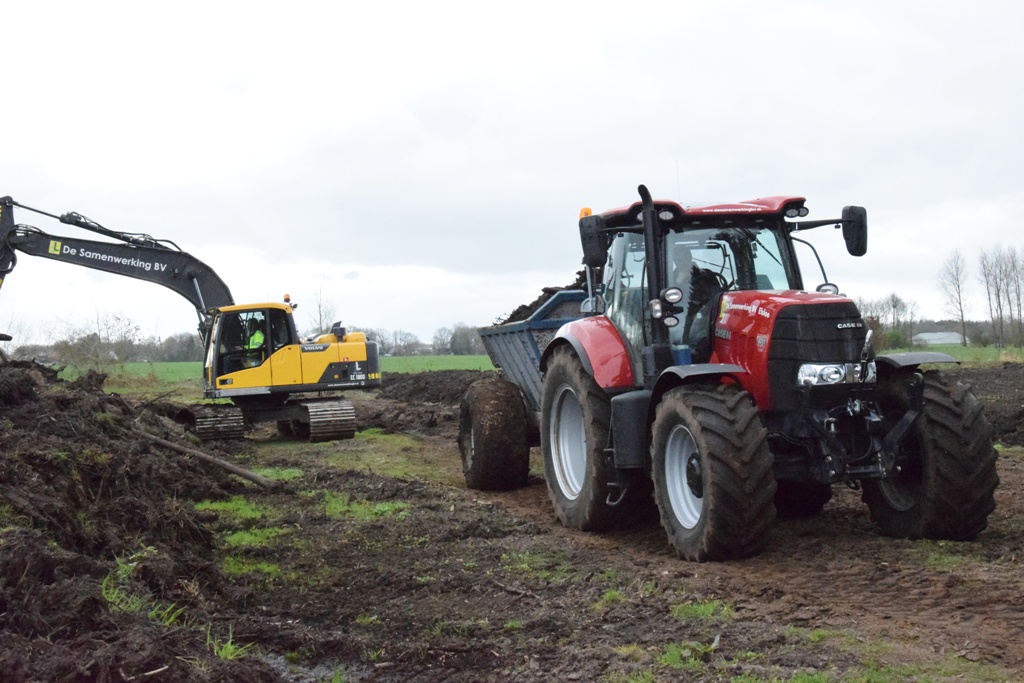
672	295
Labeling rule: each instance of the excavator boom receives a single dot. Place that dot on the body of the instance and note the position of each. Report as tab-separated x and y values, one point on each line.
140	257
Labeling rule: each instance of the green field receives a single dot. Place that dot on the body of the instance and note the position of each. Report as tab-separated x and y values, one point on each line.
425	363
185	379
972	354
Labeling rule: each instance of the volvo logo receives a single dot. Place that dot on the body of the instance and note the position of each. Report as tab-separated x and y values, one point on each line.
852	325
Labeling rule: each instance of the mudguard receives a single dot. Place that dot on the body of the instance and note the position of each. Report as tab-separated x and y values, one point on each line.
600	348
911	359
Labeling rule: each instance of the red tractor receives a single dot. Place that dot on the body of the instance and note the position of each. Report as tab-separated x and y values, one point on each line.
702	367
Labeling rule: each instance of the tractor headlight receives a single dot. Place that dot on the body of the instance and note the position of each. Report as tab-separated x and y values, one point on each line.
672	295
827	374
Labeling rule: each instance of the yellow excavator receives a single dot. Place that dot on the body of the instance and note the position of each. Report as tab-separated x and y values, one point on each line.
253	356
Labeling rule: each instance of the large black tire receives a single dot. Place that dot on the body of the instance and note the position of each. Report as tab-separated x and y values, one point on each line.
575	417
492	436
800	498
713	479
946	489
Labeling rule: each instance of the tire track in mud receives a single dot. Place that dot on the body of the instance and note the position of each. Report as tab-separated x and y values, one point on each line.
836	572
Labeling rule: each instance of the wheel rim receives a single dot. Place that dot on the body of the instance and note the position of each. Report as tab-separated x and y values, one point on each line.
903	488
684	481
470	448
568	443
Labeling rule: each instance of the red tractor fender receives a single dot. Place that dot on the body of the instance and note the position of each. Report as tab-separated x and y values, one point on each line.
599	347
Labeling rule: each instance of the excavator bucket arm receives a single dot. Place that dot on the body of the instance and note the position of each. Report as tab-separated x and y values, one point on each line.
144	260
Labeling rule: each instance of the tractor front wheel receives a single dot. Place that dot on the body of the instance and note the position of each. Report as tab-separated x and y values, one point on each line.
945	485
712	469
575	416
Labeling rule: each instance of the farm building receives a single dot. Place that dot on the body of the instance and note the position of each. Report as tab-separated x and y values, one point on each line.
938	338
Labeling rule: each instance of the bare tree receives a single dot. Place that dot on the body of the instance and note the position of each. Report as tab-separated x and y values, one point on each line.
466	341
442	342
382	337
404	343
1013	265
324	312
953	282
992	277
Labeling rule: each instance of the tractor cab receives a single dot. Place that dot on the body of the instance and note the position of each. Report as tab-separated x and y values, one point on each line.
667	286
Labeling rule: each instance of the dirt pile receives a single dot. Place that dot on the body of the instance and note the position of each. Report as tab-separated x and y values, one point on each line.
524	311
93	516
424	403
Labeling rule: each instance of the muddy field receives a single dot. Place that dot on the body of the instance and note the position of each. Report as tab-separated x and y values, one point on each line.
109	572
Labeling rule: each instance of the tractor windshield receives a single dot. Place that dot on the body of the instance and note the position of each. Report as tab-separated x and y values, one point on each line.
705	262
730	258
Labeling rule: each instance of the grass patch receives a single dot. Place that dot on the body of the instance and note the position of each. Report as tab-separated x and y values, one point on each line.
704	610
609	598
409	364
226	649
972	354
545	565
185	380
691	656
401	456
279	473
235	507
340	505
251	538
238	565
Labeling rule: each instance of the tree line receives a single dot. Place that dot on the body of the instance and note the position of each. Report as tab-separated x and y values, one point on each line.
1001	276
118	339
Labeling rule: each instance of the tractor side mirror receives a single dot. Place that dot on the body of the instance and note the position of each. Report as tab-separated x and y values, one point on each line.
855	229
594	241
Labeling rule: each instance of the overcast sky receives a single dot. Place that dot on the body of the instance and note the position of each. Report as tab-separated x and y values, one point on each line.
423	164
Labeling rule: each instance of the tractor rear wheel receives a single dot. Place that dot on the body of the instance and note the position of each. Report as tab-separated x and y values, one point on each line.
492	436
575	417
712	469
947	479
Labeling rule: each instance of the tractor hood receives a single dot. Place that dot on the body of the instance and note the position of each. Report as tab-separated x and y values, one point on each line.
771	334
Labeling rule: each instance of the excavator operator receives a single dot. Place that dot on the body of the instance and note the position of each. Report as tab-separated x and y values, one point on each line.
254	343
255	335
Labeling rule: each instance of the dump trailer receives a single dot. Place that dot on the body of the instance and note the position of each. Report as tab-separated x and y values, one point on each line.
253	354
500	418
700	367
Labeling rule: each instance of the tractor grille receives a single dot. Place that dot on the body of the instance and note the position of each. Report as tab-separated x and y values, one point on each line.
812	333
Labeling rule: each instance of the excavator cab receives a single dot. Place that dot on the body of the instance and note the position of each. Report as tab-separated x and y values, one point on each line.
249	349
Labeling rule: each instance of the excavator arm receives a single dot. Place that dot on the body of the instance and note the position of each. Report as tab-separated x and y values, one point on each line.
140	256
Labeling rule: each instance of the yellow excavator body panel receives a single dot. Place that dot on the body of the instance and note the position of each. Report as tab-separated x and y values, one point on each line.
254	349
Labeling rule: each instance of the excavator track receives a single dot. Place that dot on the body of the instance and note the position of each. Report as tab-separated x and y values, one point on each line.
218	422
331	420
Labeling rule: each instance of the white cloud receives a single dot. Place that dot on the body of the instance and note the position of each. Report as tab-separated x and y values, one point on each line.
427	161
